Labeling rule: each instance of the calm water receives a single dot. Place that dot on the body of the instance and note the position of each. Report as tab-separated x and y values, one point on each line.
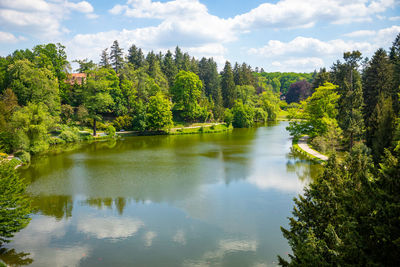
193	200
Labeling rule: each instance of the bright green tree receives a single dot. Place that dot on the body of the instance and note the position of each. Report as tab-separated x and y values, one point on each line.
33	84
186	94
159	115
31	125
97	96
317	114
14	204
243	115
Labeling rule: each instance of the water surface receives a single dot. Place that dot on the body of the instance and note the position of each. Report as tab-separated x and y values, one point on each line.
191	200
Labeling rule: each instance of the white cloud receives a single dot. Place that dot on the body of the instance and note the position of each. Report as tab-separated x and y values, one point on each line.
394	18
39	18
180	237
225	246
113	227
307	54
304	46
92	16
6	37
361	33
149	237
282	14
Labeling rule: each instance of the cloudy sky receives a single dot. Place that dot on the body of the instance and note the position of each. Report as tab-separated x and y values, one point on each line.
279	35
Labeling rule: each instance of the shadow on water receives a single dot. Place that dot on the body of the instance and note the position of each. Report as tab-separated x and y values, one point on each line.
14	258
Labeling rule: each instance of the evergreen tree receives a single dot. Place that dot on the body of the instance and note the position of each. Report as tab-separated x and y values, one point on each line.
320	78
14	204
104	60
135	57
377	84
350	103
395	59
152	63
178	58
169	68
116	56
228	86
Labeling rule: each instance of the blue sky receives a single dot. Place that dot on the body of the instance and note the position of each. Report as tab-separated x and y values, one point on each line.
280	35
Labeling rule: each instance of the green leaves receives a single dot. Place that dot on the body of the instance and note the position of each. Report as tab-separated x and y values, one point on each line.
14	205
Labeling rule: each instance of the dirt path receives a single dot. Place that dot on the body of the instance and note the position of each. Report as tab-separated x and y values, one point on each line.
194	127
303	145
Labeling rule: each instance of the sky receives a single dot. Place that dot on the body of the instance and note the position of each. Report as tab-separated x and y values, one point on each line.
280	35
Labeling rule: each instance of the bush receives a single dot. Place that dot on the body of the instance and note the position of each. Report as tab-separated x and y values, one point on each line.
110	130
123	122
55	140
69	136
228	116
24	156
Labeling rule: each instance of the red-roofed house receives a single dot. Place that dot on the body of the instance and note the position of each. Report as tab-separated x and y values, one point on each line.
76	78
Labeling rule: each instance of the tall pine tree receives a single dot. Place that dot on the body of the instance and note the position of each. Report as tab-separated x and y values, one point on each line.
116	56
350	103
228	86
377	88
135	57
104	60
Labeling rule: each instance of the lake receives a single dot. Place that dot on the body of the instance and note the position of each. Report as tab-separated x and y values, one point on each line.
188	200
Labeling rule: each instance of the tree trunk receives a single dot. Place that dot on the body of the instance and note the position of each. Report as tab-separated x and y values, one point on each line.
94	127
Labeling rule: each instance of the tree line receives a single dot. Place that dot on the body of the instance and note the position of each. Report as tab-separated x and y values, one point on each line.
41	104
349	216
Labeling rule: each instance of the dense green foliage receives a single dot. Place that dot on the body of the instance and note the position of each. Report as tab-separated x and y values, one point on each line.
14	205
349	216
42	104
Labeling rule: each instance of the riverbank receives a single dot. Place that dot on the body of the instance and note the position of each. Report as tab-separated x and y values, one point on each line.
301	145
86	137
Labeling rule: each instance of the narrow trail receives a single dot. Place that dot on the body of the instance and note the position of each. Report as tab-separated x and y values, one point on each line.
303	145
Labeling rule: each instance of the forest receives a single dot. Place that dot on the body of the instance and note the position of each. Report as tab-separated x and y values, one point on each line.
43	103
348	216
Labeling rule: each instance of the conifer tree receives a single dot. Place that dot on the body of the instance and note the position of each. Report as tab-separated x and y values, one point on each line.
105	60
395	59
116	56
169	68
135	57
350	103
228	86
377	86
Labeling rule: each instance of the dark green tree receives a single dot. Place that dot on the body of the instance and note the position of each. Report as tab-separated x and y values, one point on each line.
228	86
320	78
104	59
136	57
116	56
377	83
14	204
395	59
169	68
350	103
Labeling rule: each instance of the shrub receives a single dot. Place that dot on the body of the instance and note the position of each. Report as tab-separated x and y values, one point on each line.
69	136
110	130
24	156
123	122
